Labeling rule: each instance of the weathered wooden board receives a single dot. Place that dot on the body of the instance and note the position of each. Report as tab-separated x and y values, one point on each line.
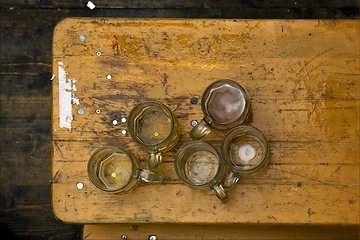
184	4
303	80
217	231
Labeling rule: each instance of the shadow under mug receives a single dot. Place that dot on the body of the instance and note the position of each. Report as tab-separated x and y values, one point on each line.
113	169
245	151
199	165
154	127
225	104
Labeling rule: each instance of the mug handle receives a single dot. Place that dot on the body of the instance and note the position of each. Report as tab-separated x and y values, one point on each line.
200	130
220	192
230	180
154	174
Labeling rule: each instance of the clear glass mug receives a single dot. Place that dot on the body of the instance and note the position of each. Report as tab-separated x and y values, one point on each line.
245	151
225	104
113	169
154	127
199	165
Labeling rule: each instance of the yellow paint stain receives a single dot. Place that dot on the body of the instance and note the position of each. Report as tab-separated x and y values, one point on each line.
113	175
156	134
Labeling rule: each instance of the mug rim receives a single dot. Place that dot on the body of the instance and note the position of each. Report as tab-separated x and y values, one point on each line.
207	116
259	136
131	158
162	107
220	173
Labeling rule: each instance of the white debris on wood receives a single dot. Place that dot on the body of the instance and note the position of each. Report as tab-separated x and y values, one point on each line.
90	5
66	97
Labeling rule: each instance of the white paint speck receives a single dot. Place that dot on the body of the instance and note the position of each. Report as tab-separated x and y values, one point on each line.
123	132
66	97
108	76
193	123
115	122
81	111
90	5
79	185
82	37
123	120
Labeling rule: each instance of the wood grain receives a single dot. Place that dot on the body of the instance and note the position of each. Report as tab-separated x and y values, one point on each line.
25	70
218	231
302	78
185	4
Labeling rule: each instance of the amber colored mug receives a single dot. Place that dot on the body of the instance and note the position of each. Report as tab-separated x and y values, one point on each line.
154	127
113	169
245	151
225	104
199	165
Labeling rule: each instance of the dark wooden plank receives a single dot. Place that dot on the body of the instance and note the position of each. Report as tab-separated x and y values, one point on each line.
235	231
221	12
25	106
183	4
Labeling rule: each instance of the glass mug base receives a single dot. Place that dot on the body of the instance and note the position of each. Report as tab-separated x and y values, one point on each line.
115	170
199	165
225	104
154	127
246	153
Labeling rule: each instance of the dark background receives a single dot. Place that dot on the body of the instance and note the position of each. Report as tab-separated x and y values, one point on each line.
25	88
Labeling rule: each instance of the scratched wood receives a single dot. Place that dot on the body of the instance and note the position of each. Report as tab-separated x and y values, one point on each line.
303	80
218	231
185	4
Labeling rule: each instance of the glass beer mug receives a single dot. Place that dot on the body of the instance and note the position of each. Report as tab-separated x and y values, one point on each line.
225	104
154	127
113	169
199	165
245	151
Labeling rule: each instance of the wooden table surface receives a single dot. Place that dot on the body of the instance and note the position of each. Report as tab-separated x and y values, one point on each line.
303	80
218	231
